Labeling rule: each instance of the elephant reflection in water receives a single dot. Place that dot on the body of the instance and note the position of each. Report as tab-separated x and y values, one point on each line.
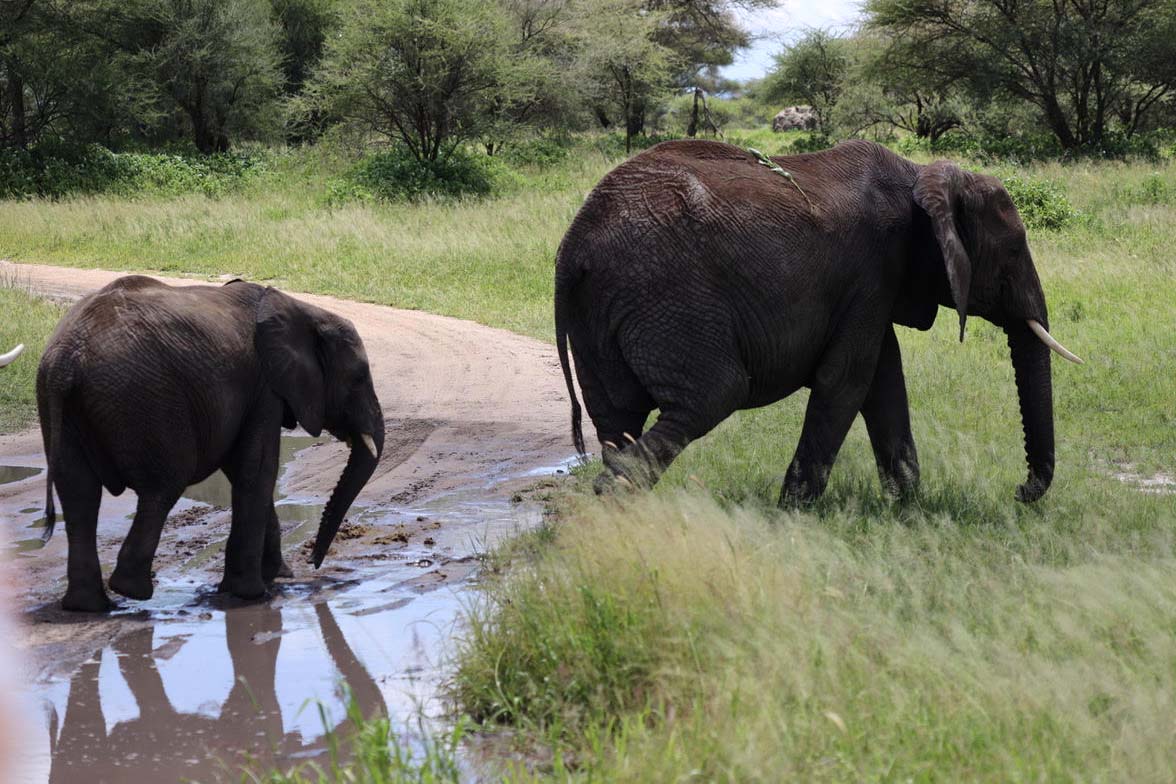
165	745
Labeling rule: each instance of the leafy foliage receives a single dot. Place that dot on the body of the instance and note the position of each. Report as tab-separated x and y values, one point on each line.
423	73
399	175
1042	204
59	172
811	71
1083	66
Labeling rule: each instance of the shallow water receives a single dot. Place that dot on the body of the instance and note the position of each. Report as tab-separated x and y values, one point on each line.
194	684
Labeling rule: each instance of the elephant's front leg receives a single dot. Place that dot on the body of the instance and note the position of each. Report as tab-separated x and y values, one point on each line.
253	471
273	565
839	388
888	420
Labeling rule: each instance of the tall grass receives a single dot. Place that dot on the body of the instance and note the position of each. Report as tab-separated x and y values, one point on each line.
28	320
674	637
487	260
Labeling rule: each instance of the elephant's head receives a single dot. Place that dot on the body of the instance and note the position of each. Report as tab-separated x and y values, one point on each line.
10	357
315	362
990	274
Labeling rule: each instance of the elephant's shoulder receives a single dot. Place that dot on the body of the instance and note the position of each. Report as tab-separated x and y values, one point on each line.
133	283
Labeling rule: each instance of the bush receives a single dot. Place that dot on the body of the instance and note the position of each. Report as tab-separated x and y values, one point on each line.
396	176
55	172
812	142
1042	204
1036	146
541	152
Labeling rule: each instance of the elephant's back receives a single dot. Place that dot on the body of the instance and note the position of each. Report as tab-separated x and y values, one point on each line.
137	330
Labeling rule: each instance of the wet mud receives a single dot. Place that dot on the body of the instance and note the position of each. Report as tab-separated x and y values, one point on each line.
191	685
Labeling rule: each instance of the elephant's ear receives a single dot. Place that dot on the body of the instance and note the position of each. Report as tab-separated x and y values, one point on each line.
939	192
287	344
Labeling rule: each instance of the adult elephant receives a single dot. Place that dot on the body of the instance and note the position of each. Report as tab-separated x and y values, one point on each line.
699	278
154	387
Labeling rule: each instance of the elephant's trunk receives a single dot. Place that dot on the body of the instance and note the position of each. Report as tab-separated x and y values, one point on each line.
361	463
1035	391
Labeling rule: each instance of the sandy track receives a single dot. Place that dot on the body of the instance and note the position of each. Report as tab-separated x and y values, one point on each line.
467	406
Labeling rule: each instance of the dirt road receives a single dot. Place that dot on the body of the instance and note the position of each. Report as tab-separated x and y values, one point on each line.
473	414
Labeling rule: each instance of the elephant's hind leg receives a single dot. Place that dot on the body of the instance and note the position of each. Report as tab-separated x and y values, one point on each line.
888	420
693	398
81	494
132	575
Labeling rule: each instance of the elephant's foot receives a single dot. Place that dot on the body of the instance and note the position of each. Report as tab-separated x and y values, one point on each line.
801	488
272	571
252	587
133	585
92	600
608	483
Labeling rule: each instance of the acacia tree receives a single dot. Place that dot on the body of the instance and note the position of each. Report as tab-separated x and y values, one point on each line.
812	71
887	86
1080	62
424	73
544	91
217	61
621	60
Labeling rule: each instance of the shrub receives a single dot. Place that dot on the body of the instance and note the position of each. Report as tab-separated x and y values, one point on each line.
541	152
55	172
396	175
1042	204
812	142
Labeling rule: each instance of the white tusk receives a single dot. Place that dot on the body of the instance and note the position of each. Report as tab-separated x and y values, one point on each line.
6	359
370	443
1048	340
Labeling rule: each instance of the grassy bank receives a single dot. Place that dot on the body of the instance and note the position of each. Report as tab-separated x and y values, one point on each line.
700	633
30	321
675	637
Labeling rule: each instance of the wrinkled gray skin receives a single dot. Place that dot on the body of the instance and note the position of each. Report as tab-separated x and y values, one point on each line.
697	281
155	387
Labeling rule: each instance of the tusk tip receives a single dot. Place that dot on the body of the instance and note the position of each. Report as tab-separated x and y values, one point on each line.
370	443
11	355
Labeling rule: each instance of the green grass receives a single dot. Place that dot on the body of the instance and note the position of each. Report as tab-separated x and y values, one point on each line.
30	321
698	633
486	260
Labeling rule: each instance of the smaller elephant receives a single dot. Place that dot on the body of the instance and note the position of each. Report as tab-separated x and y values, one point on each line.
155	387
10	357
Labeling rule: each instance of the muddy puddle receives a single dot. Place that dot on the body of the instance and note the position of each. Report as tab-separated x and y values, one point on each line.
190	685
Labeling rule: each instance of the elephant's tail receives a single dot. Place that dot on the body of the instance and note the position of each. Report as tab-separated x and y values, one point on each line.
561	343
52	447
51	432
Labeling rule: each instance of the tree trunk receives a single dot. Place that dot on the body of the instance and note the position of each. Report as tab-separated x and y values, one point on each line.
634	121
1056	119
692	128
20	135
